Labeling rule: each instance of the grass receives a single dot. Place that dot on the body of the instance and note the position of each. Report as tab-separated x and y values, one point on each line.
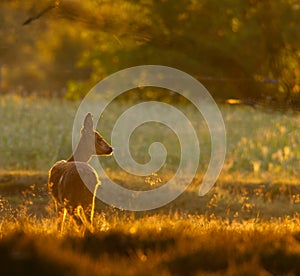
36	132
248	224
157	244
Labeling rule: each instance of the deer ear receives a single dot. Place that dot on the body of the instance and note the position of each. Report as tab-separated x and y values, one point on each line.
88	123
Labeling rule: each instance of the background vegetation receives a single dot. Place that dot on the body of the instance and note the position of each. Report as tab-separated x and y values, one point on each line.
245	49
36	132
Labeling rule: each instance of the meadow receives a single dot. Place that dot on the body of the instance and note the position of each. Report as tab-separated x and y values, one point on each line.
248	224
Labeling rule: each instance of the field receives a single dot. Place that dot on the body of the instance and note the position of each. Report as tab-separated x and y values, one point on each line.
248	224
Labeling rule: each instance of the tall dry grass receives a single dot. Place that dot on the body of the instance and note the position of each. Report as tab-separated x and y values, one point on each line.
177	244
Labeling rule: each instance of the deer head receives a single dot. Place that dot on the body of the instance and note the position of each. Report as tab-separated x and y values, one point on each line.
90	143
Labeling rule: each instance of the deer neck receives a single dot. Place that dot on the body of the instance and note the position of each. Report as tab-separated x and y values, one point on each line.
80	154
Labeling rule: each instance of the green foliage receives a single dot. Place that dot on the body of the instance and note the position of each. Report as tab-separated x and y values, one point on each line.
37	132
33	133
78	43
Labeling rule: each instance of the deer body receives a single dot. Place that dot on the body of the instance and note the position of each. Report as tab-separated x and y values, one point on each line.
73	182
67	188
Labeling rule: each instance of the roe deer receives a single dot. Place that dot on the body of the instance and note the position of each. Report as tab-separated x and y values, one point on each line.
68	179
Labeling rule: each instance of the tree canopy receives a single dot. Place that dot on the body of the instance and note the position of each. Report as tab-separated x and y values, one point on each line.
247	49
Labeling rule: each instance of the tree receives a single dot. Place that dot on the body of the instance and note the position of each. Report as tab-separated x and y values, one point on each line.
246	49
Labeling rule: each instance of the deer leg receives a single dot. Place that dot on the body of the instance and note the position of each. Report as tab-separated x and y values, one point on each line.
80	220
85	223
59	218
92	208
63	219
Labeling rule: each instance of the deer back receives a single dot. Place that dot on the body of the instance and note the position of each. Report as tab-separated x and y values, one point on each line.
72	183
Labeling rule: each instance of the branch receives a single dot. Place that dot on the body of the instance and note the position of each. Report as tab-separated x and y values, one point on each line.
40	14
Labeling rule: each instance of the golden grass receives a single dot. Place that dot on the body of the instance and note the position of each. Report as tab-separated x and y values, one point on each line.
219	234
176	244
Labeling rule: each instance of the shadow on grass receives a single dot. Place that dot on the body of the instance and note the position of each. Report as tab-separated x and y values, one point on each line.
119	253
